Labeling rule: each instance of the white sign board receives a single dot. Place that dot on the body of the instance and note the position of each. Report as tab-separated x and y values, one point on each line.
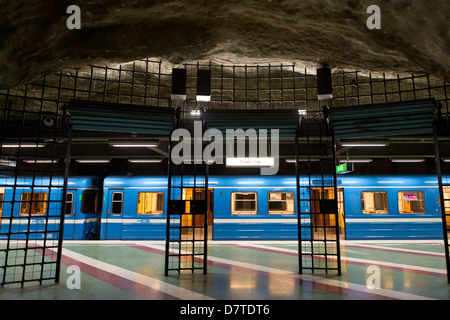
249	162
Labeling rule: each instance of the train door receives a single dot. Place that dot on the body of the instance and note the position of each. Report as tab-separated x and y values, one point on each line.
446	191
70	212
189	221
114	214
321	220
2	197
210	213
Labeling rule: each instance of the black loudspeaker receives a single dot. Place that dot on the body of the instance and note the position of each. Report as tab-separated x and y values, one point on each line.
203	82
176	207
324	89
179	84
328	206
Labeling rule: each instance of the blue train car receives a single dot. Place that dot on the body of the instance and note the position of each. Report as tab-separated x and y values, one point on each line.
258	207
392	207
265	207
83	208
135	208
37	207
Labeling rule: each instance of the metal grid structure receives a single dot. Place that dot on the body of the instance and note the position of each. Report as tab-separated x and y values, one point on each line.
187	217
281	86
33	183
148	82
317	200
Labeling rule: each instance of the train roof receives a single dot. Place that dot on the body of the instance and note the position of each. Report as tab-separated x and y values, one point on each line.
279	181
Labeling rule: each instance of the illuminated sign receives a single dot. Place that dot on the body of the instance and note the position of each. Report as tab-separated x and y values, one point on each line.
250	162
344	168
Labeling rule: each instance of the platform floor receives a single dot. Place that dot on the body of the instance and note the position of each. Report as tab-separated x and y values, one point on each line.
244	270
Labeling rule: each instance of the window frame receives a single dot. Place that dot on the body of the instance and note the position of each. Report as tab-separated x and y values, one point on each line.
423	201
83	201
251	213
156	213
115	201
69	202
2	192
278	212
32	202
375	191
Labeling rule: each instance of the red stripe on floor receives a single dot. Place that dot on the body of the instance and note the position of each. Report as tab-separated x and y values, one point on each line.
301	282
115	280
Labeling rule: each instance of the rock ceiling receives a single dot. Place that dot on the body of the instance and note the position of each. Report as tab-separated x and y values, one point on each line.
35	40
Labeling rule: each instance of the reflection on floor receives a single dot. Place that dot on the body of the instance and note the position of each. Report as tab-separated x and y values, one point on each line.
245	270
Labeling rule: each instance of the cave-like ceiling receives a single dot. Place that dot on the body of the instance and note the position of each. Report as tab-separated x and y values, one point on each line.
35	40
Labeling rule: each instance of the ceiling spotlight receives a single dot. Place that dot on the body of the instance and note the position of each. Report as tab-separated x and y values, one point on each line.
203	85
178	84
324	86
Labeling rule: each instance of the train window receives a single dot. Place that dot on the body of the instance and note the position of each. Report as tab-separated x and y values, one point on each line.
244	202
150	203
34	203
117	203
281	202
374	202
89	201
411	202
69	203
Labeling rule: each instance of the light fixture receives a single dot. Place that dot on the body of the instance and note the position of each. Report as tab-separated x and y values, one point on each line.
302	112
23	145
134	144
196	113
8	163
178	84
364	143
407	160
324	87
145	160
356	160
302	159
41	161
203	85
93	160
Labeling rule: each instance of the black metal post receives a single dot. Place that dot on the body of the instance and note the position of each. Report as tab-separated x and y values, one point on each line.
297	183
63	205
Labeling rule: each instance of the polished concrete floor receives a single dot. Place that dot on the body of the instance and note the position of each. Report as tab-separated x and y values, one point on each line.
111	270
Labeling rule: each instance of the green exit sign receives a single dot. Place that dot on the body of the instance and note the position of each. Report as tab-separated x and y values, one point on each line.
344	168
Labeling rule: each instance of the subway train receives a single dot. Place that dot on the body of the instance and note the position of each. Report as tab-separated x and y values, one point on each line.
36	207
240	207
